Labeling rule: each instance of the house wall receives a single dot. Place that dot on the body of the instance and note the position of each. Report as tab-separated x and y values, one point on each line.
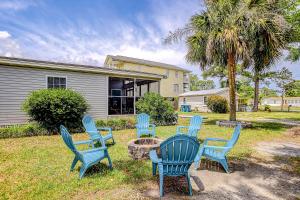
294	101
197	102
16	83
166	85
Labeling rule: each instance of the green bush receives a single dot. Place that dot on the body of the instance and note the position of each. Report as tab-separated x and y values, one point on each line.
53	107
267	108
117	123
14	131
217	104
160	110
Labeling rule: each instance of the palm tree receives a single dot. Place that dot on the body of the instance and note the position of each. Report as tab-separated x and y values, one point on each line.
222	35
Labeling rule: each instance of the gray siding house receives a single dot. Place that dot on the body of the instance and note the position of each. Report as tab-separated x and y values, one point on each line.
109	92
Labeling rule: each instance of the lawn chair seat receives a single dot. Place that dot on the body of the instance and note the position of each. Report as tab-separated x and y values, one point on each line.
177	154
143	126
87	157
218	153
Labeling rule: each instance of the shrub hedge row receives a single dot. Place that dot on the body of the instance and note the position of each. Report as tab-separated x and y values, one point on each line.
33	129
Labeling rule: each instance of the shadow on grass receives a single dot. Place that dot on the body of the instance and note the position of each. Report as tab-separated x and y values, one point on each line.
135	171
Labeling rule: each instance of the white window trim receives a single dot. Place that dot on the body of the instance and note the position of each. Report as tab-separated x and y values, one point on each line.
56	76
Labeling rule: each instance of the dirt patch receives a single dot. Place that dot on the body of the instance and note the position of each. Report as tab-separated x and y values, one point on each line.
293	132
289	149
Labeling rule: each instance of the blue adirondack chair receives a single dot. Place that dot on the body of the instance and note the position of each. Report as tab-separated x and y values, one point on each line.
193	128
94	132
218	153
177	154
88	157
143	126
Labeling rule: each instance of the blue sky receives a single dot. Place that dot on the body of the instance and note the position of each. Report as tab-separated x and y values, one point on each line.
85	31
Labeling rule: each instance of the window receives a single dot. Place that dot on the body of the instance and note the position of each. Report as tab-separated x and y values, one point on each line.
176	74
176	88
205	100
56	82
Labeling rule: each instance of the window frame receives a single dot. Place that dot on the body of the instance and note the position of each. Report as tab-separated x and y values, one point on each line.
56	76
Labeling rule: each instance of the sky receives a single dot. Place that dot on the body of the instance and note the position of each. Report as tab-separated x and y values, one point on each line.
85	31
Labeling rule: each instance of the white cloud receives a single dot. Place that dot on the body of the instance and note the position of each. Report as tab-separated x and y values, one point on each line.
8	46
16	4
4	35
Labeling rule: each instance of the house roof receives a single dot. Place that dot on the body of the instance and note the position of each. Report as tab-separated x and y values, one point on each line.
204	92
143	62
29	63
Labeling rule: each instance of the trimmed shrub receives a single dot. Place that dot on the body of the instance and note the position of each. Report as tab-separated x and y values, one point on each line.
217	104
53	107
160	110
14	131
117	123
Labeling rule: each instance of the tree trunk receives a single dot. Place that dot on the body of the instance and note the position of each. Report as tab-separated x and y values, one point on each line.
232	88
282	102
256	93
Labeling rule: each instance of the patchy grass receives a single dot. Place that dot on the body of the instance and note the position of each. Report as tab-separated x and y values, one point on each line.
38	167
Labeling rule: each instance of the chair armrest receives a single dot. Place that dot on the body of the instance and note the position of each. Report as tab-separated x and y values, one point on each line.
104	128
153	125
180	127
153	156
93	150
216	147
83	142
214	139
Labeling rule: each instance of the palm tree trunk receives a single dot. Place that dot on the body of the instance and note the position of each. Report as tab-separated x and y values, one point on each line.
282	102
256	93
232	88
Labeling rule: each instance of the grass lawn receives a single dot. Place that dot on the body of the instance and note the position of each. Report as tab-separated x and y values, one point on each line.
37	167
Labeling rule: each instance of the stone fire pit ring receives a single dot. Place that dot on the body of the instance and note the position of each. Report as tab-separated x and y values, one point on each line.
139	149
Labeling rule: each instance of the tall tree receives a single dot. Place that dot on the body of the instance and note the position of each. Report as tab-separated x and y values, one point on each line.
293	89
282	79
196	84
222	35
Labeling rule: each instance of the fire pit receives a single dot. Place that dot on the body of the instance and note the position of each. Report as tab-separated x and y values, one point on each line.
139	149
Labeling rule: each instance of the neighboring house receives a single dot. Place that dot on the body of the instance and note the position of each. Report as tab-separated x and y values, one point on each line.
177	79
198	99
108	91
276	101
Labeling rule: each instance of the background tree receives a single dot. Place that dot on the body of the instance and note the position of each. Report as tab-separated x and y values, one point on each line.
282	79
196	84
293	89
223	35
267	92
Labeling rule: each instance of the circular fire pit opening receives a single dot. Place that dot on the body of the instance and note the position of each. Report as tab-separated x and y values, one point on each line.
139	149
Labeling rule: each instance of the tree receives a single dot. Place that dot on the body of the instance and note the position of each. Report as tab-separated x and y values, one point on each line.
196	84
222	35
282	79
267	92
293	89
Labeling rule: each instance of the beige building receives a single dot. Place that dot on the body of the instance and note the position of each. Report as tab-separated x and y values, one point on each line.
276	101
198	99
176	79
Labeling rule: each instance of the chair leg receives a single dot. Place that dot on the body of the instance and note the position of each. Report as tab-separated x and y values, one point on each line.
82	171
225	165
154	167
113	140
161	184
189	184
75	160
109	161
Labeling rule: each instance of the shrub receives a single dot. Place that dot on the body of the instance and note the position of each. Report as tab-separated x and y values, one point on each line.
267	108
117	124
160	110
53	107
217	104
14	131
